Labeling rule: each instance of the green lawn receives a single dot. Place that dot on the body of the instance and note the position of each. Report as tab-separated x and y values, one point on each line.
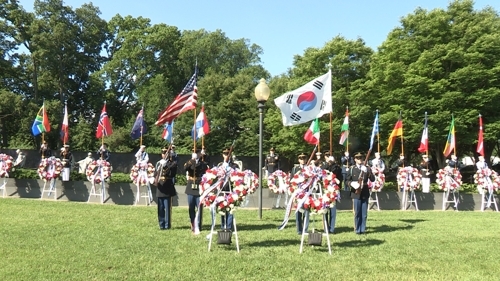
44	240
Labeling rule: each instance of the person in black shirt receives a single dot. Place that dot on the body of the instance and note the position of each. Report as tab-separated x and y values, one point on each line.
103	152
45	150
167	169
357	178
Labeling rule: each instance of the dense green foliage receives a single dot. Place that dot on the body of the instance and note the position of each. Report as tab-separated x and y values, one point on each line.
443	62
43	240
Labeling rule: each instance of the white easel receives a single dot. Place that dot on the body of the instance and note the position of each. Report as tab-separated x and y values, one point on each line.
3	187
214	220
373	200
306	222
487	198
93	189
148	195
49	188
405	201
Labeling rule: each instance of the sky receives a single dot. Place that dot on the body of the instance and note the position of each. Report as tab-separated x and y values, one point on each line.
283	28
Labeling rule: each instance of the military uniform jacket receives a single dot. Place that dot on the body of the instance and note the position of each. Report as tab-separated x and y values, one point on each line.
272	163
347	162
456	164
425	167
45	153
334	168
195	170
296	169
232	165
104	153
353	176
67	159
166	187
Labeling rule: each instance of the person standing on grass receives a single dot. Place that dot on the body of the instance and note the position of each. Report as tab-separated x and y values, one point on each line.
195	169
358	177
167	167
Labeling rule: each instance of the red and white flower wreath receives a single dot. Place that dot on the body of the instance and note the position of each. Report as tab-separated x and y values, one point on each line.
93	173
449	179
242	182
377	185
137	168
409	178
485	179
323	179
50	168
5	165
271	182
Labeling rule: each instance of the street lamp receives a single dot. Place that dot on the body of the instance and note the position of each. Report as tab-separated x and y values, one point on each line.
262	93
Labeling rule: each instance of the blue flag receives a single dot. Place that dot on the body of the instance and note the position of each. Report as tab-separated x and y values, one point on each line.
139	127
375	131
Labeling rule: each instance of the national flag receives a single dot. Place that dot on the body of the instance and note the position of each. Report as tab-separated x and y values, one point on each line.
312	134
65	126
344	129
186	100
201	125
480	143
450	142
397	131
139	127
375	131
424	141
308	102
104	126
41	123
168	131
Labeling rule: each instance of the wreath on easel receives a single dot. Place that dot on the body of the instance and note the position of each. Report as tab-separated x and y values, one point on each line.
377	185
325	180
278	188
409	178
150	173
50	168
94	175
227	201
449	178
486	179
5	165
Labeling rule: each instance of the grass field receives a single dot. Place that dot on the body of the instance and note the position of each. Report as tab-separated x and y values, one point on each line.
44	240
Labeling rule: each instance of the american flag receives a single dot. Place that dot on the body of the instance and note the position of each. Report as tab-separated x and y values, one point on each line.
185	101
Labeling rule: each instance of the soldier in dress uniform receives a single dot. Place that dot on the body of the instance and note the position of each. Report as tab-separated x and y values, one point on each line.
346	161
204	156
301	218
331	165
481	163
45	150
141	156
425	170
67	160
378	162
454	163
357	178
167	170
103	152
272	162
195	169
227	163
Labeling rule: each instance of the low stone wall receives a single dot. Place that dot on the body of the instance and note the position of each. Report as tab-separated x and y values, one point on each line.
124	194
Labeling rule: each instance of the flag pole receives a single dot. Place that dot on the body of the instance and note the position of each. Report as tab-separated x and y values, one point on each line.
194	131
427	148
347	139
402	145
140	139
331	135
454	139
202	137
378	137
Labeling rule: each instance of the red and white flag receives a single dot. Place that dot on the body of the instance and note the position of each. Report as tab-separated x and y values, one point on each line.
424	142
104	126
480	143
186	100
65	126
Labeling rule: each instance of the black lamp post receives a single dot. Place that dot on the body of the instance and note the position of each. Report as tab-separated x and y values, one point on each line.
262	93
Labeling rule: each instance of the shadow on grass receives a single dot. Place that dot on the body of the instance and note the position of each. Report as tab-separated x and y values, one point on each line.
359	243
387	228
274	243
413	221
